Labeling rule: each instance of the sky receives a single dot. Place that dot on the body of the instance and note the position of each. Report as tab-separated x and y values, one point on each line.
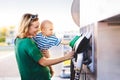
58	11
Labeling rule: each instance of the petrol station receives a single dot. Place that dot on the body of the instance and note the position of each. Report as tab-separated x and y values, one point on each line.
97	49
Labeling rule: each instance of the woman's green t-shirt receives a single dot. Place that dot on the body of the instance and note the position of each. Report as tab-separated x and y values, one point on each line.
27	56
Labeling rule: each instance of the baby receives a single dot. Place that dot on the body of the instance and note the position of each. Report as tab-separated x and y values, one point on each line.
46	39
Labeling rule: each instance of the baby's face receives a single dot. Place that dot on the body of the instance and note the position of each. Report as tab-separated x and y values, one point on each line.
49	30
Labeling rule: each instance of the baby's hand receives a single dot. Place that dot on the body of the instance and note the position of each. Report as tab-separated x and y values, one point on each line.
46	53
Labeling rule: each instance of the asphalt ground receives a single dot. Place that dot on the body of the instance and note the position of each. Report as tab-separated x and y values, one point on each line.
8	66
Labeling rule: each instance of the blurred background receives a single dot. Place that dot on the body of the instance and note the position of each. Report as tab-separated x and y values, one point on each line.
58	11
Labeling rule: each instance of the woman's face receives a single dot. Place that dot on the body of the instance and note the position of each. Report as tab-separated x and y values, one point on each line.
33	29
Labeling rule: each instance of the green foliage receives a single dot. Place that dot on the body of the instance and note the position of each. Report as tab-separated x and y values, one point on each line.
2	39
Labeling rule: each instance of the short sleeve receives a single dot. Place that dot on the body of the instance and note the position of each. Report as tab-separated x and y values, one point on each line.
33	51
58	42
54	41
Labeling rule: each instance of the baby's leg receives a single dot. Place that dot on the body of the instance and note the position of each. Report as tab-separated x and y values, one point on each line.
47	55
51	71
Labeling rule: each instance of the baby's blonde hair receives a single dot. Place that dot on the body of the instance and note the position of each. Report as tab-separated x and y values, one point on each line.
44	24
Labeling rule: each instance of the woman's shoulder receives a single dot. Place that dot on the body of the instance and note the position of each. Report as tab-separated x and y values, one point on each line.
25	40
28	40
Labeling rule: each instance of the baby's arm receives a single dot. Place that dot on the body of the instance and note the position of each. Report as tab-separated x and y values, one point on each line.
65	42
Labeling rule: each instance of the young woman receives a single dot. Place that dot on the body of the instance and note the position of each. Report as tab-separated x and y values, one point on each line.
31	62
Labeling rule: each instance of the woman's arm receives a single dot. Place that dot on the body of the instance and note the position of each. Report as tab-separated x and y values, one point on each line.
49	61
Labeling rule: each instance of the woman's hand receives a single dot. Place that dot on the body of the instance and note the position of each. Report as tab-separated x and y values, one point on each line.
69	55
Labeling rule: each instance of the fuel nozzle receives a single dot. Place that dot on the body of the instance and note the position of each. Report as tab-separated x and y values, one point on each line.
73	41
79	43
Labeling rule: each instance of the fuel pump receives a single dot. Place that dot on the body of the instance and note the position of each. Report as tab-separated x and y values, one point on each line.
84	51
80	44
